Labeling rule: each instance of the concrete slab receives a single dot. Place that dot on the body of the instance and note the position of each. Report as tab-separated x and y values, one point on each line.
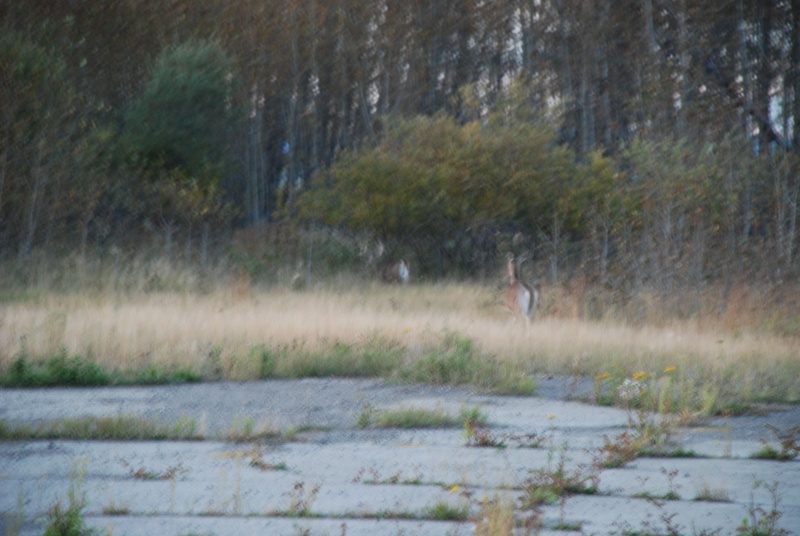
367	481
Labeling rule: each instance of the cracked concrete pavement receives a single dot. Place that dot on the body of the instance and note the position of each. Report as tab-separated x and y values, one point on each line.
372	481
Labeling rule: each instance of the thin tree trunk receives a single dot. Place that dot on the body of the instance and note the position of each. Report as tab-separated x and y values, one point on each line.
650	34
794	75
4	167
566	63
168	239
204	245
31	216
188	248
681	124
555	242
745	73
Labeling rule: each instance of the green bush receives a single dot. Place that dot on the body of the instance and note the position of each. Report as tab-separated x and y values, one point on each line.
373	360
458	362
60	369
153	375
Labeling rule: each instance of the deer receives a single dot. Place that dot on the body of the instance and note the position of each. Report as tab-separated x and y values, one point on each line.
389	272
521	298
398	272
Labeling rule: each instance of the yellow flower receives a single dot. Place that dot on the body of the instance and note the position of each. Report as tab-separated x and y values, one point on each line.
603	376
669	370
455	489
641	376
551	416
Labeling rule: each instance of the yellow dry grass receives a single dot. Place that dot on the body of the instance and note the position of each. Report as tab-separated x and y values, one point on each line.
182	329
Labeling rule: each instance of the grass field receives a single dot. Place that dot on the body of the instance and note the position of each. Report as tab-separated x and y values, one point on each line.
439	333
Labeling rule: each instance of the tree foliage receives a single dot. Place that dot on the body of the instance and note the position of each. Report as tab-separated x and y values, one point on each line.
433	177
184	118
34	136
648	141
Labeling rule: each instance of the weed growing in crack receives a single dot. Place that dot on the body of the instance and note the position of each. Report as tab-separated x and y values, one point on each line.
671	391
412	417
667	519
364	418
114	509
258	462
672	494
244	429
498	516
241	429
477	436
623	449
69	520
710	494
301	499
374	477
763	522
13	521
495	518
571	526
443	511
788	441
663	524
472	416
546	485
648	434
117	427
141	473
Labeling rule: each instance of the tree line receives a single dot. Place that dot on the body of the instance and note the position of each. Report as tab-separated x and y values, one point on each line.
644	142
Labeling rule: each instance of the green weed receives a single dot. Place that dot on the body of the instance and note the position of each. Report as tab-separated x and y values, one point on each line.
789	445
458	362
415	418
442	511
59	369
301	500
495	518
153	375
761	521
710	494
547	484
412	417
479	436
364	418
141	473
68	520
118	427
378	358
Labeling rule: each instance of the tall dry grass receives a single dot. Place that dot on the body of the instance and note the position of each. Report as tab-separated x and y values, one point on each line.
132	326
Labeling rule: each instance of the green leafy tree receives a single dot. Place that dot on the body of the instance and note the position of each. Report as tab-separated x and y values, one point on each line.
679	194
437	181
177	135
185	117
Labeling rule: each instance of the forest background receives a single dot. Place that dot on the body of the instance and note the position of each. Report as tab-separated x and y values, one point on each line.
637	148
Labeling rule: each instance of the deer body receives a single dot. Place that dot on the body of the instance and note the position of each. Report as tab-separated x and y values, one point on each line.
521	298
398	272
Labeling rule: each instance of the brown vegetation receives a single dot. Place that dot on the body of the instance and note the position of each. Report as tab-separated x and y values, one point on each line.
743	353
